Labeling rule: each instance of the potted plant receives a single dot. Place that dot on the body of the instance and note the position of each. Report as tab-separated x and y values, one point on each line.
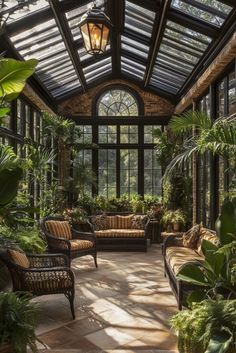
174	220
77	217
156	212
17	323
209	327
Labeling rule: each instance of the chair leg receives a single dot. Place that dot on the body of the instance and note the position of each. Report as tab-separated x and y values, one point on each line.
71	296
95	260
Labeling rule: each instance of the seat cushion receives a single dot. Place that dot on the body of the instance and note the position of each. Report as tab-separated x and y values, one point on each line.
112	222
60	229
124	222
120	233
19	258
206	234
138	221
190	238
178	256
99	222
80	244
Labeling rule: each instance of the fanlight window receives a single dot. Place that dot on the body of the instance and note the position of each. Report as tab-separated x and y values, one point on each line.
116	102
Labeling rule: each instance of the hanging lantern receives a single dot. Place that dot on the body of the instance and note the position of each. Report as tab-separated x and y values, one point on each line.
95	28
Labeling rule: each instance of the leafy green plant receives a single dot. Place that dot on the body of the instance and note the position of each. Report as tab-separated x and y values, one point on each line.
75	216
218	137
11	173
87	203
173	216
210	327
226	222
214	274
26	238
18	321
13	76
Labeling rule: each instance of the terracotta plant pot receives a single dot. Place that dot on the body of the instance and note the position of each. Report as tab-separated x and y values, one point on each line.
176	227
6	348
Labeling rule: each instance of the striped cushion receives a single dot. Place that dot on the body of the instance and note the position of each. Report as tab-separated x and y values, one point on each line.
120	233
112	222
124	222
19	258
78	244
60	229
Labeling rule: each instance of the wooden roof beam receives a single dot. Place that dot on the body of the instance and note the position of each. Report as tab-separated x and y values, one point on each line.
64	29
157	34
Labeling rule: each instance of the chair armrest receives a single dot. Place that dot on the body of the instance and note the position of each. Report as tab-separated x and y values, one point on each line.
76	234
48	260
58	243
47	280
172	240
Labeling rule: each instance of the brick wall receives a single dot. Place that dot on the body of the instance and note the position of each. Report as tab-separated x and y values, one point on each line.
81	105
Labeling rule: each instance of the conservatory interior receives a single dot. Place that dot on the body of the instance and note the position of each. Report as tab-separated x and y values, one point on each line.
117	176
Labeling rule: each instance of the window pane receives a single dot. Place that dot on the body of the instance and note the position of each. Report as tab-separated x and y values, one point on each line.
152	173
149	133
129	134
86	133
107	134
232	93
221	99
128	171
107	173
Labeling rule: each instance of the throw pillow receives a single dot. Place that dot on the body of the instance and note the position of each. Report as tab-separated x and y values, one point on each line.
206	234
99	222
124	222
190	238
138	221
19	258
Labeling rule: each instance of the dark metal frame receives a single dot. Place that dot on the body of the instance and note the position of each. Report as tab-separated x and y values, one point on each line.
116	11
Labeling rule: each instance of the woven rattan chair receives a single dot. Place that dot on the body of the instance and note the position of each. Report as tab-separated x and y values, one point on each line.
73	245
44	274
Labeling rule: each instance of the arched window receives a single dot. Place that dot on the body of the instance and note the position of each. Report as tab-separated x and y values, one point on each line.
117	102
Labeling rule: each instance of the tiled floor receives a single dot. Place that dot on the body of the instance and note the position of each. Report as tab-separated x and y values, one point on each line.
121	307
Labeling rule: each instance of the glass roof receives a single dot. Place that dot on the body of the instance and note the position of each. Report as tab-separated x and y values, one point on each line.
189	30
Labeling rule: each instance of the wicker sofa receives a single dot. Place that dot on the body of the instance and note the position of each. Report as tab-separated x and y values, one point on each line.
120	232
179	250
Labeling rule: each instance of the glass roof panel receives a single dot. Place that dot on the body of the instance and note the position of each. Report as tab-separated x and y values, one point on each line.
132	68
204	9
139	19
98	69
28	8
134	47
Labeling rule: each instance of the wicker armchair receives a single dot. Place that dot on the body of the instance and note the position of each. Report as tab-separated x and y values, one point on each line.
77	245
45	274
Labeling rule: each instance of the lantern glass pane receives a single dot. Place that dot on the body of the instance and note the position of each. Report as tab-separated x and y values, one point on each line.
95	30
105	37
85	33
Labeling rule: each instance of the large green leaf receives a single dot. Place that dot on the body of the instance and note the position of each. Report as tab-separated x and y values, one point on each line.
191	273
226	222
215	262
13	76
9	182
219	343
196	296
208	246
4	111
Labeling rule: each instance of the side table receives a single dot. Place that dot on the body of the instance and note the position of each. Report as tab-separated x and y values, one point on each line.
155	231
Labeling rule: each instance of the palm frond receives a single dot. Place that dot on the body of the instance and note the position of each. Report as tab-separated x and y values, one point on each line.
180	160
8	158
188	120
